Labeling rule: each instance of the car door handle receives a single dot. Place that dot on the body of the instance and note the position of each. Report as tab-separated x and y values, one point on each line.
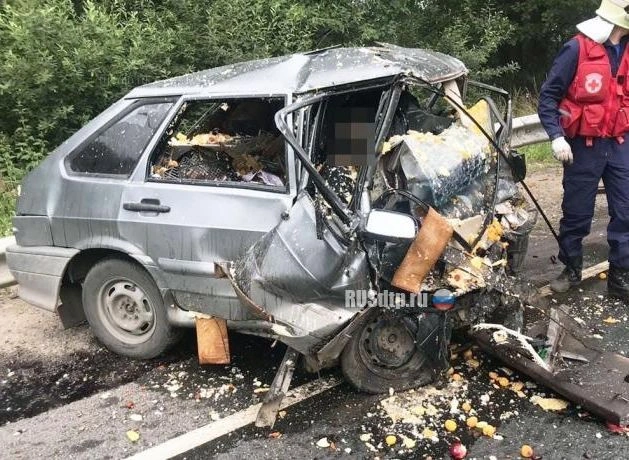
146	205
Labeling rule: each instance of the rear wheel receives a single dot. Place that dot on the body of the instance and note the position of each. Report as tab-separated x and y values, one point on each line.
382	354
125	310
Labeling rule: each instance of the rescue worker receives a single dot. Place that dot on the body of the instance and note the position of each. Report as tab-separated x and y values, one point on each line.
584	108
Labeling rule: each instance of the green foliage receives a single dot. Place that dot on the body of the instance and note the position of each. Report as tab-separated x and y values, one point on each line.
64	61
540	29
59	68
539	154
8	196
471	30
271	28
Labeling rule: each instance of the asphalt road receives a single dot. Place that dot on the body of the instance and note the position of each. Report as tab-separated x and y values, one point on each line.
63	396
344	417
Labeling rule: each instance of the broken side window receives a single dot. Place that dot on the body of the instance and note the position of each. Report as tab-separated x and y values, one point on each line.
345	141
232	141
117	148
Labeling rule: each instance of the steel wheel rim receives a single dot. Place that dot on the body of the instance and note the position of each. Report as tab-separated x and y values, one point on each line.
126	311
381	356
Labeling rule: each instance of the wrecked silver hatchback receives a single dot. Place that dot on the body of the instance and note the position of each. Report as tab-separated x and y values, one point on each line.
349	202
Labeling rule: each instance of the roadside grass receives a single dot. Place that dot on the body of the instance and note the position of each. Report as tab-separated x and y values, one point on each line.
8	197
524	102
538	155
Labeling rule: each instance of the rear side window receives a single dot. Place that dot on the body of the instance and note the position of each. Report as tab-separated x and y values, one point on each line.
227	142
117	148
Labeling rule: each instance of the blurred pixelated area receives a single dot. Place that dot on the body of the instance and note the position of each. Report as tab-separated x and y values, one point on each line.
354	137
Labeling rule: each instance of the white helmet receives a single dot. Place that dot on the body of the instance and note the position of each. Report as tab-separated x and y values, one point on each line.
611	13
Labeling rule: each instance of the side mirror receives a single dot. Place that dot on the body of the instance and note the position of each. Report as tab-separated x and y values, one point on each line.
390	226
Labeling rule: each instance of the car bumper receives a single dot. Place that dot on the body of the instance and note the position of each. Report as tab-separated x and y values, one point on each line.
39	271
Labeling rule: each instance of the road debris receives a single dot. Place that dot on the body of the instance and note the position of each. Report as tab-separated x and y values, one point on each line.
458	451
450	425
489	430
526	451
550	404
610	320
391	440
323	443
618	429
408	442
565	360
133	435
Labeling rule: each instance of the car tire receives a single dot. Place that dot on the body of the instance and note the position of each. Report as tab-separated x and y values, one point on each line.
360	368
126	311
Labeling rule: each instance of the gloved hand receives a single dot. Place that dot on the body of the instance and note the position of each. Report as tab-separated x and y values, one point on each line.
562	150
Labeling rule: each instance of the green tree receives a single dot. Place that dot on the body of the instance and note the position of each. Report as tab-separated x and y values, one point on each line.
540	29
63	61
59	67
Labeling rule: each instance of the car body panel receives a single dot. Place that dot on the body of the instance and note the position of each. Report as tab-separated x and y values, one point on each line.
205	225
298	276
41	189
38	271
308	72
33	230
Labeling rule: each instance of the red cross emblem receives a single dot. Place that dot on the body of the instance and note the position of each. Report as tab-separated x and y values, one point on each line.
593	83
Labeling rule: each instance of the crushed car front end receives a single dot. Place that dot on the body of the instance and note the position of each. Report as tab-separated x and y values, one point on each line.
342	277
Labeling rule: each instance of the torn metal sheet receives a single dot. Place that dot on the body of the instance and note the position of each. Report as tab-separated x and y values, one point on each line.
600	384
279	388
456	171
438	168
299	279
299	272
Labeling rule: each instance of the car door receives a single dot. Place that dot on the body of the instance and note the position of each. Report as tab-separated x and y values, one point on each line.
187	224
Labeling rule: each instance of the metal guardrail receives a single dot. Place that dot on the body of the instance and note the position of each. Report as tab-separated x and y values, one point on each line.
6	279
526	131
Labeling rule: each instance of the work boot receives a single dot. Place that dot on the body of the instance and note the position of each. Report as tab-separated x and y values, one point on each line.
618	283
569	277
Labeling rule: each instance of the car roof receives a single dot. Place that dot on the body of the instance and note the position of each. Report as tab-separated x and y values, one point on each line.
310	71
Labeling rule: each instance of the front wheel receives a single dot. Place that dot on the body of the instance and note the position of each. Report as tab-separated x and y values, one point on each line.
125	310
383	354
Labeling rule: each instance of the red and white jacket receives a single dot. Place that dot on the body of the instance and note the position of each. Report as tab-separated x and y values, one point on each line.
597	103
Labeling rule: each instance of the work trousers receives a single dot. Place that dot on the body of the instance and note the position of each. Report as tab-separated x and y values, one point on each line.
609	160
